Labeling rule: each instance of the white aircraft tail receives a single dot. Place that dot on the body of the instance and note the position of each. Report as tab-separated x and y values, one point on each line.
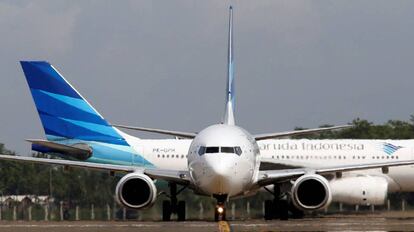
229	113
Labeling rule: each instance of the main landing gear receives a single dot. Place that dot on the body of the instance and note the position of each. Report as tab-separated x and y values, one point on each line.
280	206
220	210
173	206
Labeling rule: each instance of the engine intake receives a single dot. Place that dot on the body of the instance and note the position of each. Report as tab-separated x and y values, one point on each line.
311	192
136	191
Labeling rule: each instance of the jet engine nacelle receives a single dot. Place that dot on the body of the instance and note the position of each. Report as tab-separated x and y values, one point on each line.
360	190
311	192
136	191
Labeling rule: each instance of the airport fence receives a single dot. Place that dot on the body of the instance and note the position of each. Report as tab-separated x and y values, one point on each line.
236	210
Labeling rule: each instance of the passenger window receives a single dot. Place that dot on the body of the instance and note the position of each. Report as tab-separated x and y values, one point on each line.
202	150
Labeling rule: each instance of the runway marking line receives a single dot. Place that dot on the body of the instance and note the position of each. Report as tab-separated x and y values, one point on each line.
223	226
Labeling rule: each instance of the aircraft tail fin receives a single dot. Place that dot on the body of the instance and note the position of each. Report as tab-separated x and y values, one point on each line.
64	113
230	91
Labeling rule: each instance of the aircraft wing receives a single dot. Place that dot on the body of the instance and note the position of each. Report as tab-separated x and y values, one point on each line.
181	177
181	134
274	176
297	132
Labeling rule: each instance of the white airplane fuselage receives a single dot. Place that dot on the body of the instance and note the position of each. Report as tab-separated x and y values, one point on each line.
224	173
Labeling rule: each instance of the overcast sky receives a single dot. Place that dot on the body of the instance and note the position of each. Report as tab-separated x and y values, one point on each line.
163	63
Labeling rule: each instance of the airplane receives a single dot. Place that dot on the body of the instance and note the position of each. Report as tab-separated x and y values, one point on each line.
222	161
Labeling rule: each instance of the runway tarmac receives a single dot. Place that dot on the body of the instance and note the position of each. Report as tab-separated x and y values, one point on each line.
326	223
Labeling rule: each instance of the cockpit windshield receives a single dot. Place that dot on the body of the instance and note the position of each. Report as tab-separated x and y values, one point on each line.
212	149
233	150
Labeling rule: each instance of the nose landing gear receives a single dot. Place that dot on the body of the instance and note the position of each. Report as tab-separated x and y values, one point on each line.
220	211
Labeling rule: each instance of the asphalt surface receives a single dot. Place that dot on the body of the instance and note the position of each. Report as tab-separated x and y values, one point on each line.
326	223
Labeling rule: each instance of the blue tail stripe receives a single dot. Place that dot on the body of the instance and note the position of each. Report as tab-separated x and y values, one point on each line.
56	108
100	129
53	107
73	131
41	75
75	102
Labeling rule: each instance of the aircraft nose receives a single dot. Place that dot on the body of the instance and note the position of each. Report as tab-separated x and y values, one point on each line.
220	169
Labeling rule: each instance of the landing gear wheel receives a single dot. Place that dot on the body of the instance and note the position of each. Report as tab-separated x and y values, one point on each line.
166	211
276	209
181	211
283	210
269	210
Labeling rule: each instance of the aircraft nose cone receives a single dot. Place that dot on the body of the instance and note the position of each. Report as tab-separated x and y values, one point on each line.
220	170
220	165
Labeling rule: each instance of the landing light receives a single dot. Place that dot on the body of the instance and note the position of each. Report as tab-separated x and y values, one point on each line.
220	209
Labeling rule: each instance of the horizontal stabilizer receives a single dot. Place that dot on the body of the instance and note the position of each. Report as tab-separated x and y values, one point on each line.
78	151
180	134
298	132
